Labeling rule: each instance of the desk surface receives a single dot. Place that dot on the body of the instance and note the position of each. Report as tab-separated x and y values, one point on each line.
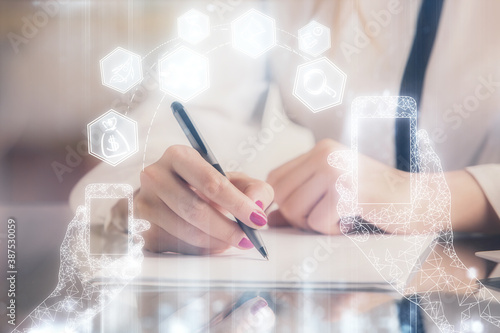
154	309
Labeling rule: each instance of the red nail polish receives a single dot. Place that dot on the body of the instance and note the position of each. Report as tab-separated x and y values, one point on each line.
258	219
245	243
260	204
261	303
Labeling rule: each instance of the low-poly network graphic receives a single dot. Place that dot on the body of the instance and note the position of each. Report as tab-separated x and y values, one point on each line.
428	213
77	297
183	73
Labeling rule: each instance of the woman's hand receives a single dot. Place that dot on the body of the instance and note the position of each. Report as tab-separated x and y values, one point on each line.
305	188
186	199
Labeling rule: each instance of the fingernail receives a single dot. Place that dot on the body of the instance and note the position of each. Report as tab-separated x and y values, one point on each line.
258	219
245	243
260	204
261	303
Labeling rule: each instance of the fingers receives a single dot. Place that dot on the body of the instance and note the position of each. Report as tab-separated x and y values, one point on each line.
258	191
324	217
341	159
77	231
430	187
428	159
252	316
276	219
194	170
299	204
137	226
186	199
192	220
281	172
158	240
430	183
287	180
300	184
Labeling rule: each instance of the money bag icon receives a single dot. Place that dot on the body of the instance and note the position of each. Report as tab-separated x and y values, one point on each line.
113	143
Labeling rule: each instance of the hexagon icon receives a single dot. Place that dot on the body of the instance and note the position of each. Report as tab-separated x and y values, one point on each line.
253	33
183	73
121	70
193	26
314	38
319	84
112	137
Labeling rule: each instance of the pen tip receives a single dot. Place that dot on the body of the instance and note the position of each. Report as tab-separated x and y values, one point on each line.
263	252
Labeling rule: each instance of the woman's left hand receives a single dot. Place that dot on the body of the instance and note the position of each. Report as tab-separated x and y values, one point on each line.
305	188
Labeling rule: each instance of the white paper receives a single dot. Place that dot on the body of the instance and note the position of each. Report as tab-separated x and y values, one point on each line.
296	260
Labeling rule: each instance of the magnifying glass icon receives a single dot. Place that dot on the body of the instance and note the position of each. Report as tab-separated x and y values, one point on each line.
315	83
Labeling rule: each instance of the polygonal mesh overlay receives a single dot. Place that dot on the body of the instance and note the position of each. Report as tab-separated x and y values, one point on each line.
76	298
427	214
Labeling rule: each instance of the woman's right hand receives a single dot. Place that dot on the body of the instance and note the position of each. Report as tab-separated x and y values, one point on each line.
185	199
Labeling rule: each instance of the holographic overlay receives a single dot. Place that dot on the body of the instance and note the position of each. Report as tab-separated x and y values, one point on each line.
428	213
319	84
112	137
183	74
77	298
314	38
193	26
121	70
253	33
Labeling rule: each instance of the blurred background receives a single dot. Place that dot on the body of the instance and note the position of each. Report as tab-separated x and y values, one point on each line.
50	89
50	84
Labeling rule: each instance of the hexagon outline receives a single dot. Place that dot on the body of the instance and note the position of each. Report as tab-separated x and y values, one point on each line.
110	54
331	105
207	76
240	18
124	157
327	47
186	14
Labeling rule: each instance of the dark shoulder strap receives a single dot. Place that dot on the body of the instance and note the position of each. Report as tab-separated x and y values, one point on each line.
414	74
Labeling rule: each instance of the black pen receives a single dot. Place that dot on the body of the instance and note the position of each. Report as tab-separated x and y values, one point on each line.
196	140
